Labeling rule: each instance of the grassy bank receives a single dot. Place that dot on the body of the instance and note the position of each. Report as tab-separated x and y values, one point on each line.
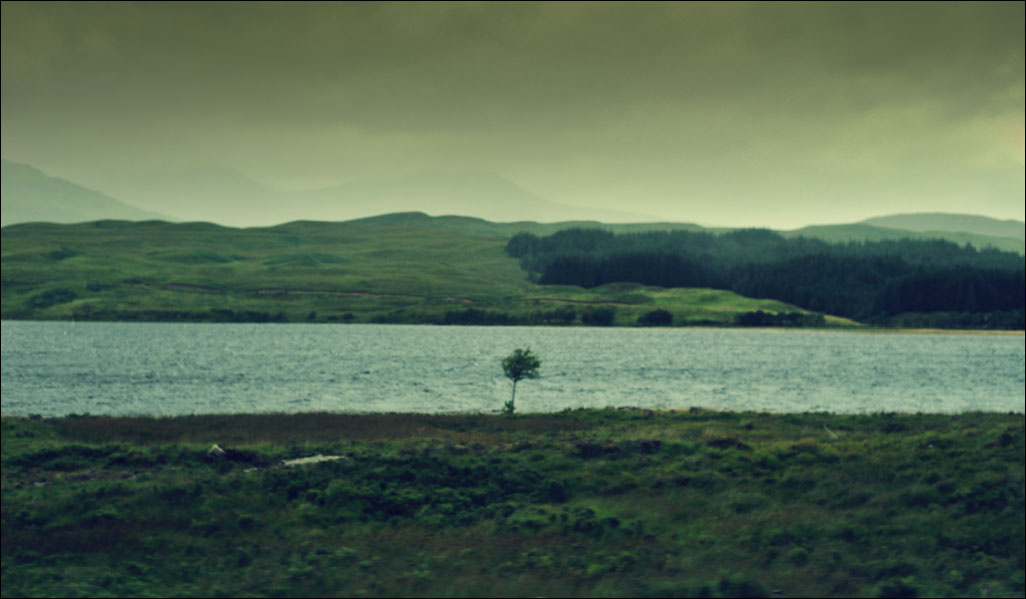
587	502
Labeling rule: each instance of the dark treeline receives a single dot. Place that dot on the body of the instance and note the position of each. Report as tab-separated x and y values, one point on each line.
866	281
564	316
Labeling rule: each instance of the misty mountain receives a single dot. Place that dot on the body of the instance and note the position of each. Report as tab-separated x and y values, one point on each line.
30	195
479	194
208	193
939	221
864	232
228	197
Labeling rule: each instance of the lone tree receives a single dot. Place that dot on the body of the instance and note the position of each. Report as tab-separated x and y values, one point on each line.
521	364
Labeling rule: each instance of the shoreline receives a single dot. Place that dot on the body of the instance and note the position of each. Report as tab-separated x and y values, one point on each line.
949	331
568	412
853	328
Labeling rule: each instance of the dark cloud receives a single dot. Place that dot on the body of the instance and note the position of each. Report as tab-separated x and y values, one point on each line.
672	103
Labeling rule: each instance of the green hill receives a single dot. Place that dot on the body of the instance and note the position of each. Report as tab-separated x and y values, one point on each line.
405	267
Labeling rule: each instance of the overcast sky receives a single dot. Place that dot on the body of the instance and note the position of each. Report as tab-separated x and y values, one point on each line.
759	114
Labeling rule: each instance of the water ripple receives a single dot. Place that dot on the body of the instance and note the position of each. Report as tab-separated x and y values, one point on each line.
57	368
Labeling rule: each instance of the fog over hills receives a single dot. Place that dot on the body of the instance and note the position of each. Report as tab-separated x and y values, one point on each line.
481	194
231	198
29	194
726	114
205	193
940	221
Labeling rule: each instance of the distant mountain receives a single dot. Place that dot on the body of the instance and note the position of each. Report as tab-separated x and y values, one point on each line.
479	194
213	194
30	195
828	233
231	198
864	232
939	221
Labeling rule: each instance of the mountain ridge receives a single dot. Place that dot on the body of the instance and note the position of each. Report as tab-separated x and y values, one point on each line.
232	198
926	222
28	194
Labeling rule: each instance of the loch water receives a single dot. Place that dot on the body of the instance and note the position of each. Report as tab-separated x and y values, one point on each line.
60	368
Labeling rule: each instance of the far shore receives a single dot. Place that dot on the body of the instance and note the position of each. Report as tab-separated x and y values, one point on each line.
948	331
849	326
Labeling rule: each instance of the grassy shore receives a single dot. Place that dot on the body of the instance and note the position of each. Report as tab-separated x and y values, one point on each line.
580	503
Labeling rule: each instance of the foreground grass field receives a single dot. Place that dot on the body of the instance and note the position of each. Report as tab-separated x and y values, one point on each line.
580	503
408	268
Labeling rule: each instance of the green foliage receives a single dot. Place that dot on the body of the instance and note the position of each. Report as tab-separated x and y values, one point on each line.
608	502
759	318
52	297
876	281
656	318
599	317
519	365
472	316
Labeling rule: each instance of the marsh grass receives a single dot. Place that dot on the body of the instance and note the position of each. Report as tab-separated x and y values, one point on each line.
578	503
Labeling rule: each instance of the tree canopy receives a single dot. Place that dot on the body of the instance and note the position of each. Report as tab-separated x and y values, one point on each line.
867	281
521	364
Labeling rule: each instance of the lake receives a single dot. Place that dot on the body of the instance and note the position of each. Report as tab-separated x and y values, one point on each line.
59	368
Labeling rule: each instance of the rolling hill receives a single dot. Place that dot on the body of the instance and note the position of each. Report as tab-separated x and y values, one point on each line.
406	267
398	267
